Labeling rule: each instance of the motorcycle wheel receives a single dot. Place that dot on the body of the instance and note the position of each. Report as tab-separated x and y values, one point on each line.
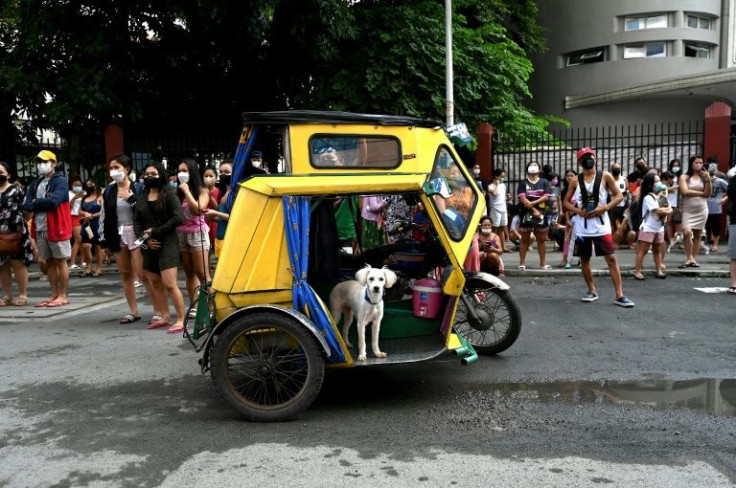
268	367
500	319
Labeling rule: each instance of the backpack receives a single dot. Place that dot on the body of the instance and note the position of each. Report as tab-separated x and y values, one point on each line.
590	200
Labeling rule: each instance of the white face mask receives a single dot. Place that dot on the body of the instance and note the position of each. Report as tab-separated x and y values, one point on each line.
476	172
533	169
132	176
256	163
210	180
675	169
486	231
117	175
183	177
44	168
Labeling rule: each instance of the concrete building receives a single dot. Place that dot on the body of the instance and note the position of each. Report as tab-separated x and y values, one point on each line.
622	62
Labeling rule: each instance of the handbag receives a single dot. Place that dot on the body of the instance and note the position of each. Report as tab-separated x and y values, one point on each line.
11	243
528	220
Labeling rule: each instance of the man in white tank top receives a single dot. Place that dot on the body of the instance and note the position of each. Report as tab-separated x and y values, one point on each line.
592	225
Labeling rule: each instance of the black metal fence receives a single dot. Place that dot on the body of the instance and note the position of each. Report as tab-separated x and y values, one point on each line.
656	143
207	151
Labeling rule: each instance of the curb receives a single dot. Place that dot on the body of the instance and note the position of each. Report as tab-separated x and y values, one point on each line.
540	273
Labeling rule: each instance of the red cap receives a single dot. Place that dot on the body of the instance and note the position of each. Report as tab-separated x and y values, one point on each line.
586	150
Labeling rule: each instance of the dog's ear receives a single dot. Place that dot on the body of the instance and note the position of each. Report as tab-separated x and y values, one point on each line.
362	274
390	277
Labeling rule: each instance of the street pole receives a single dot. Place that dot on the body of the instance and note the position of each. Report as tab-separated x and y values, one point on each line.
450	103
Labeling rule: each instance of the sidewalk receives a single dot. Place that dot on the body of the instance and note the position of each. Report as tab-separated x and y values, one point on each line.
713	265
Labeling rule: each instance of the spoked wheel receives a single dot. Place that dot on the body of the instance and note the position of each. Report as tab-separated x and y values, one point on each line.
268	367
499	319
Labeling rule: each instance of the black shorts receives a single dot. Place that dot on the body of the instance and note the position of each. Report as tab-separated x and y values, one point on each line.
584	246
616	214
713	225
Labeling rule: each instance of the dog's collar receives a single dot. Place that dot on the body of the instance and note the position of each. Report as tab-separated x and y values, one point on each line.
369	300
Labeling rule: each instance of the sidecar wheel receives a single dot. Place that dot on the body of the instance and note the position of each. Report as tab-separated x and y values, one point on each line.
500	318
268	367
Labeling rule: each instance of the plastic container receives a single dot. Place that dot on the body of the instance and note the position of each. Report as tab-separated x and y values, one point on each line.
427	298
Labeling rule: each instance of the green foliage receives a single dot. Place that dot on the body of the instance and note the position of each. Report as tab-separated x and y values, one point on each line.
192	66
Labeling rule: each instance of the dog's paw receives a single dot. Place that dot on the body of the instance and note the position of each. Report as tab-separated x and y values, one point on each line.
380	354
362	357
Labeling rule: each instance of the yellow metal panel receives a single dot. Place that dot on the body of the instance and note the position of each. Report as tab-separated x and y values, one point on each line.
334	184
254	256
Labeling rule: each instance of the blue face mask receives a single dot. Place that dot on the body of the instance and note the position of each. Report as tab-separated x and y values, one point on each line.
173	184
659	186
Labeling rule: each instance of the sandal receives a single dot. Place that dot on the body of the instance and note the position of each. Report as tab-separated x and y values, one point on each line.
129	318
522	267
639	276
547	267
175	329
57	303
43	303
21	301
661	276
731	290
84	274
158	325
155	318
5	301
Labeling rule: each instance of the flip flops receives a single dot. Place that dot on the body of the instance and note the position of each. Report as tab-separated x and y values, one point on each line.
158	325
57	303
639	276
43	303
129	318
175	330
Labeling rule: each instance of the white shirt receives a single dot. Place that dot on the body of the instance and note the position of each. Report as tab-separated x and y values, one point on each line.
497	202
597	226
77	203
650	220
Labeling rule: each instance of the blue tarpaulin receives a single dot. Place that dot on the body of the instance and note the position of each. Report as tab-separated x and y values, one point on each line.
241	161
305	300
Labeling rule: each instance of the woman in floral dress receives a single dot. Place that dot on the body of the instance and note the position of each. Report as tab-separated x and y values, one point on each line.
11	220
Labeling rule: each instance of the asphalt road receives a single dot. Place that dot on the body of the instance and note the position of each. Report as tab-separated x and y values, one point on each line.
591	394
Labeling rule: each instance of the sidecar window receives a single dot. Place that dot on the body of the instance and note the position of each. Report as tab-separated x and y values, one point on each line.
456	209
354	151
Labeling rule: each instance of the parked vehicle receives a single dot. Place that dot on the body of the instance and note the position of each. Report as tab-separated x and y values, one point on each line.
264	332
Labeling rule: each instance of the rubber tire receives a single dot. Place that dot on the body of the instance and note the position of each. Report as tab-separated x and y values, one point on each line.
507	301
313	354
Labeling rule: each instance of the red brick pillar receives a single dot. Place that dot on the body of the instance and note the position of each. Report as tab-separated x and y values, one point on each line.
113	142
718	140
484	152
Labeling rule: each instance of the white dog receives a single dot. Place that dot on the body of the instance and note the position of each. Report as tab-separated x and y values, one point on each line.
362	297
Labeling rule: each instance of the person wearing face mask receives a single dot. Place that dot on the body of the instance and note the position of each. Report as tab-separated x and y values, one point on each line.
617	213
533	194
158	213
48	199
76	194
475	171
194	241
117	234
12	223
221	215
715	207
651	231
672	231
695	188
489	248
90	211
590	197
635	177
257	165
497	207
209	177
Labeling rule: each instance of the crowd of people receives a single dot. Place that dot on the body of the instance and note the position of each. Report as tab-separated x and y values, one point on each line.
150	228
174	219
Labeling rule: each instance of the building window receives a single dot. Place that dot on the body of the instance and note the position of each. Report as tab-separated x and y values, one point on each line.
645	22
648	50
697	51
586	57
699	22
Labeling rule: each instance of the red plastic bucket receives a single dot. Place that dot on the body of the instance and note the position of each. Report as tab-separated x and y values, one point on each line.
427	298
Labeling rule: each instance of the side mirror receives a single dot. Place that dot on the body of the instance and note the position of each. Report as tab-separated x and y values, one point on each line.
437	186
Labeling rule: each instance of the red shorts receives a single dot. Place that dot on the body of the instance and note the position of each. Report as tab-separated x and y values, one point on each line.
584	246
76	220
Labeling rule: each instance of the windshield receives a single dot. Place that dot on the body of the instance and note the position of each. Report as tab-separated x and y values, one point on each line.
458	207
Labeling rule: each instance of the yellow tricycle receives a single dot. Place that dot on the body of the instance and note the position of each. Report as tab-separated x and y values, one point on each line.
383	198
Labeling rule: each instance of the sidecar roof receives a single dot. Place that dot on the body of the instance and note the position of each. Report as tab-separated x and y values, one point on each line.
323	117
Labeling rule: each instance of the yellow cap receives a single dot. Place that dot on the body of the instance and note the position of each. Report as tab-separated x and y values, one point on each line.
46	156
